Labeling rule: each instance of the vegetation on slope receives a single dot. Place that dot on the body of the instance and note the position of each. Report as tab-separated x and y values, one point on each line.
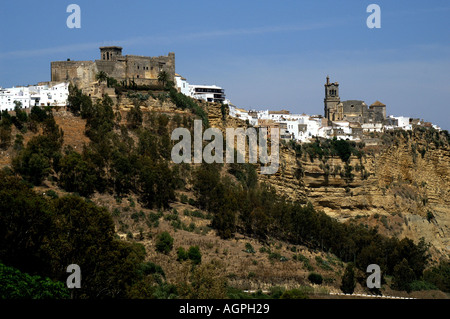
41	235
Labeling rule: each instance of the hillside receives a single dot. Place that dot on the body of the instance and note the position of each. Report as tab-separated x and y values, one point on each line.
394	187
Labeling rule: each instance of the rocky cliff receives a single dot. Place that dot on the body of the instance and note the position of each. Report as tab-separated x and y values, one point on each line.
401	186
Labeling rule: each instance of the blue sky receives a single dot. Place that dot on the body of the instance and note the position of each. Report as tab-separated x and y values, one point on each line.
266	54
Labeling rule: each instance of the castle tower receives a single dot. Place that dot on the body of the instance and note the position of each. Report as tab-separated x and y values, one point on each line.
110	53
331	100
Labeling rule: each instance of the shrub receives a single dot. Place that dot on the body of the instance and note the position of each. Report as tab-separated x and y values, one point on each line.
430	216
274	256
315	278
15	284
249	248
439	276
422	285
182	254
116	212
52	194
164	243
322	263
403	276
195	255
294	294
151	268
348	280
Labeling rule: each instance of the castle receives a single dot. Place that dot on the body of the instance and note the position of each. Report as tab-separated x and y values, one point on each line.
351	110
142	70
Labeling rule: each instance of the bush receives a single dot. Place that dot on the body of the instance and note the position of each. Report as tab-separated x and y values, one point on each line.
422	285
294	294
150	268
182	254
17	285
164	243
403	276
52	194
315	278
322	263
348	280
276	292
184	199
439	276
249	248
195	255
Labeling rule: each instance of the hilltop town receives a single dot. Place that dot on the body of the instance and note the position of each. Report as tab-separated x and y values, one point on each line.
350	120
97	157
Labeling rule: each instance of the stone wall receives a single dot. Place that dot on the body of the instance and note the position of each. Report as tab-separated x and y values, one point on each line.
81	73
143	70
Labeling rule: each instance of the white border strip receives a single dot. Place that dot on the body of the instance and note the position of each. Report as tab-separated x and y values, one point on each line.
370	296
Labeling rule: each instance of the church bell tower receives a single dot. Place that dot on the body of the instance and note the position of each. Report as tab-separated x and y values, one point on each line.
331	100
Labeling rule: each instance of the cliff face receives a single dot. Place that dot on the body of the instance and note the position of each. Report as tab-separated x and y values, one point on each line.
402	187
401	192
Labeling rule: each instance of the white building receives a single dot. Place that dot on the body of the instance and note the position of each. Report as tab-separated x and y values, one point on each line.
41	95
56	95
9	95
182	84
209	93
402	122
372	127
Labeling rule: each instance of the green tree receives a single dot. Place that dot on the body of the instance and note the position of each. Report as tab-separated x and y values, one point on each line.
101	76
403	276
18	142
134	117
42	152
439	275
182	254
315	278
77	102
25	219
348	280
21	115
83	234
164	243
195	255
34	167
163	78
206	281
5	136
77	175
100	120
15	284
156	183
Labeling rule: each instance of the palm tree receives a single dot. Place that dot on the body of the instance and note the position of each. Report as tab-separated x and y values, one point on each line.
101	76
163	78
